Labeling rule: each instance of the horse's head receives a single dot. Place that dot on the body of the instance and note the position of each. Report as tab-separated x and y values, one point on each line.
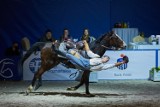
109	41
112	41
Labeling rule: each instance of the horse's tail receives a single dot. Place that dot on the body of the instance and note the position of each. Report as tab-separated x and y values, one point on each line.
34	48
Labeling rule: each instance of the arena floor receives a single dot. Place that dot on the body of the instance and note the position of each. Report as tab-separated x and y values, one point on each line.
108	93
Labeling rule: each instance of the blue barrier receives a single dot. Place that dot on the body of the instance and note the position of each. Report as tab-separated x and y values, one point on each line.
156	58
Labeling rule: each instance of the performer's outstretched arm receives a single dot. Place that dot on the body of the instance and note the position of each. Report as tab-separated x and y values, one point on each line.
105	66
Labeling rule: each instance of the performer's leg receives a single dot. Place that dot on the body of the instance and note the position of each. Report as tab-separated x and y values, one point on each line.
86	46
81	62
74	60
74	53
89	52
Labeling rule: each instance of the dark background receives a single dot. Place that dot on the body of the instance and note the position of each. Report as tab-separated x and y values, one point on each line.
31	18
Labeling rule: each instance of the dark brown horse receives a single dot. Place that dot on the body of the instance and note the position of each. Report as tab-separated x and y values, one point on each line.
49	59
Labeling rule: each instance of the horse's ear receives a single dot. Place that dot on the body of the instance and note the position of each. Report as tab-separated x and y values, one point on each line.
109	34
112	32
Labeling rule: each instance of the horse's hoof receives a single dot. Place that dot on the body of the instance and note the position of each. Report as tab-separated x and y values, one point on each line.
27	93
37	86
29	89
71	89
90	95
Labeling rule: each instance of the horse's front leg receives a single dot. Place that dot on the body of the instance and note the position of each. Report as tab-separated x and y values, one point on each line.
87	81
37	76
38	83
73	88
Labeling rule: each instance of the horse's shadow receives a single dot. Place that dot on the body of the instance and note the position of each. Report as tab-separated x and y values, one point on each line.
100	95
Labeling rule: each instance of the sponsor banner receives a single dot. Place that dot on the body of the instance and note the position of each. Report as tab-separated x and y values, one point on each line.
59	72
140	62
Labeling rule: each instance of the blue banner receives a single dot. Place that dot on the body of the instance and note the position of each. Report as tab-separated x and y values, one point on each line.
9	69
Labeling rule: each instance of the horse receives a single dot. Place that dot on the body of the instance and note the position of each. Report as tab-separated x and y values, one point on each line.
50	58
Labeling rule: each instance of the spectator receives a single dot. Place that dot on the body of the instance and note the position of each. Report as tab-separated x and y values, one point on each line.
65	35
86	36
47	37
14	50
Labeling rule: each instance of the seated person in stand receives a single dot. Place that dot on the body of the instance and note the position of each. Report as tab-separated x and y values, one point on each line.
86	36
47	37
14	50
65	35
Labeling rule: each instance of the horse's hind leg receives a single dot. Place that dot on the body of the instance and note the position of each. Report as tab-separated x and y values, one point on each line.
84	79
77	86
87	81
